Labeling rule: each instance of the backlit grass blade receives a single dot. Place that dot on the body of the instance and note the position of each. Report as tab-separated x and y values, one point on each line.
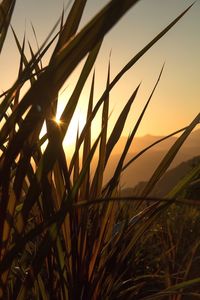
87	39
135	198
22	59
87	143
25	75
127	67
86	32
38	47
184	182
165	163
61	179
85	167
38	66
98	177
71	105
76	165
6	10
54	146
68	30
150	146
99	242
10	94
63	210
141	53
27	152
21	242
51	235
175	289
131	62
119	125
154	212
115	179
89	31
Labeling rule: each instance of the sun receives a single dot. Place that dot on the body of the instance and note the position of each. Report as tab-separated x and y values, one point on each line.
57	121
75	127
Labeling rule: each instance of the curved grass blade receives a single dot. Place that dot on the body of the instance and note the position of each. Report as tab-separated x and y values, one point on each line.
167	160
70	27
67	31
115	179
52	233
135	198
6	10
76	166
174	289
150	146
115	135
96	21
119	125
72	103
10	94
98	177
51	153
125	69
184	182
87	144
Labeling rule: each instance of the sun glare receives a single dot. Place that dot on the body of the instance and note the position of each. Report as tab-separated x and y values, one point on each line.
57	120
76	125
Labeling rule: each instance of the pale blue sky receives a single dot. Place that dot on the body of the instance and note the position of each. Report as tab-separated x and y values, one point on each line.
177	99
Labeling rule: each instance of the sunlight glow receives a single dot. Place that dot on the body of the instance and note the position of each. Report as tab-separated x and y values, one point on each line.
76	125
57	120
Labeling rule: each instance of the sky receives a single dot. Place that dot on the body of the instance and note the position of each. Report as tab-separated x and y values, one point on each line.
177	99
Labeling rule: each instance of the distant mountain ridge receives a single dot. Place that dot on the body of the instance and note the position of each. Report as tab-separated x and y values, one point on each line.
140	143
143	167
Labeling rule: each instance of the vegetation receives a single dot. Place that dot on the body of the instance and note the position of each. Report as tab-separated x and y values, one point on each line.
58	231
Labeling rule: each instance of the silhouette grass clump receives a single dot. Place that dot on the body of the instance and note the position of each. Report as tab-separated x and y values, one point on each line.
56	225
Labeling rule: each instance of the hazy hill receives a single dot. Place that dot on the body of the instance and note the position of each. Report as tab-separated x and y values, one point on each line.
143	167
169	180
173	176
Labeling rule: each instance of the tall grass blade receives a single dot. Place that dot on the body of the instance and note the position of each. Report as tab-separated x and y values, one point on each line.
69	29
52	233
127	67
184	182
87	144
98	177
6	10
119	125
150	146
115	179
165	163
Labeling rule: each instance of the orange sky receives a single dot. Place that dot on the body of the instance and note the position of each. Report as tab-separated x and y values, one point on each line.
176	100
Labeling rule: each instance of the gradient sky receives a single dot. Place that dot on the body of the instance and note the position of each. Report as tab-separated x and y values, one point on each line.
177	99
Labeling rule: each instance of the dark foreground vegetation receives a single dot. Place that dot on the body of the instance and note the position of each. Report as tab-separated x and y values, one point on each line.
58	235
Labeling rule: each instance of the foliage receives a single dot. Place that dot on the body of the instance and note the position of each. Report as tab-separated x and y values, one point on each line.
57	225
